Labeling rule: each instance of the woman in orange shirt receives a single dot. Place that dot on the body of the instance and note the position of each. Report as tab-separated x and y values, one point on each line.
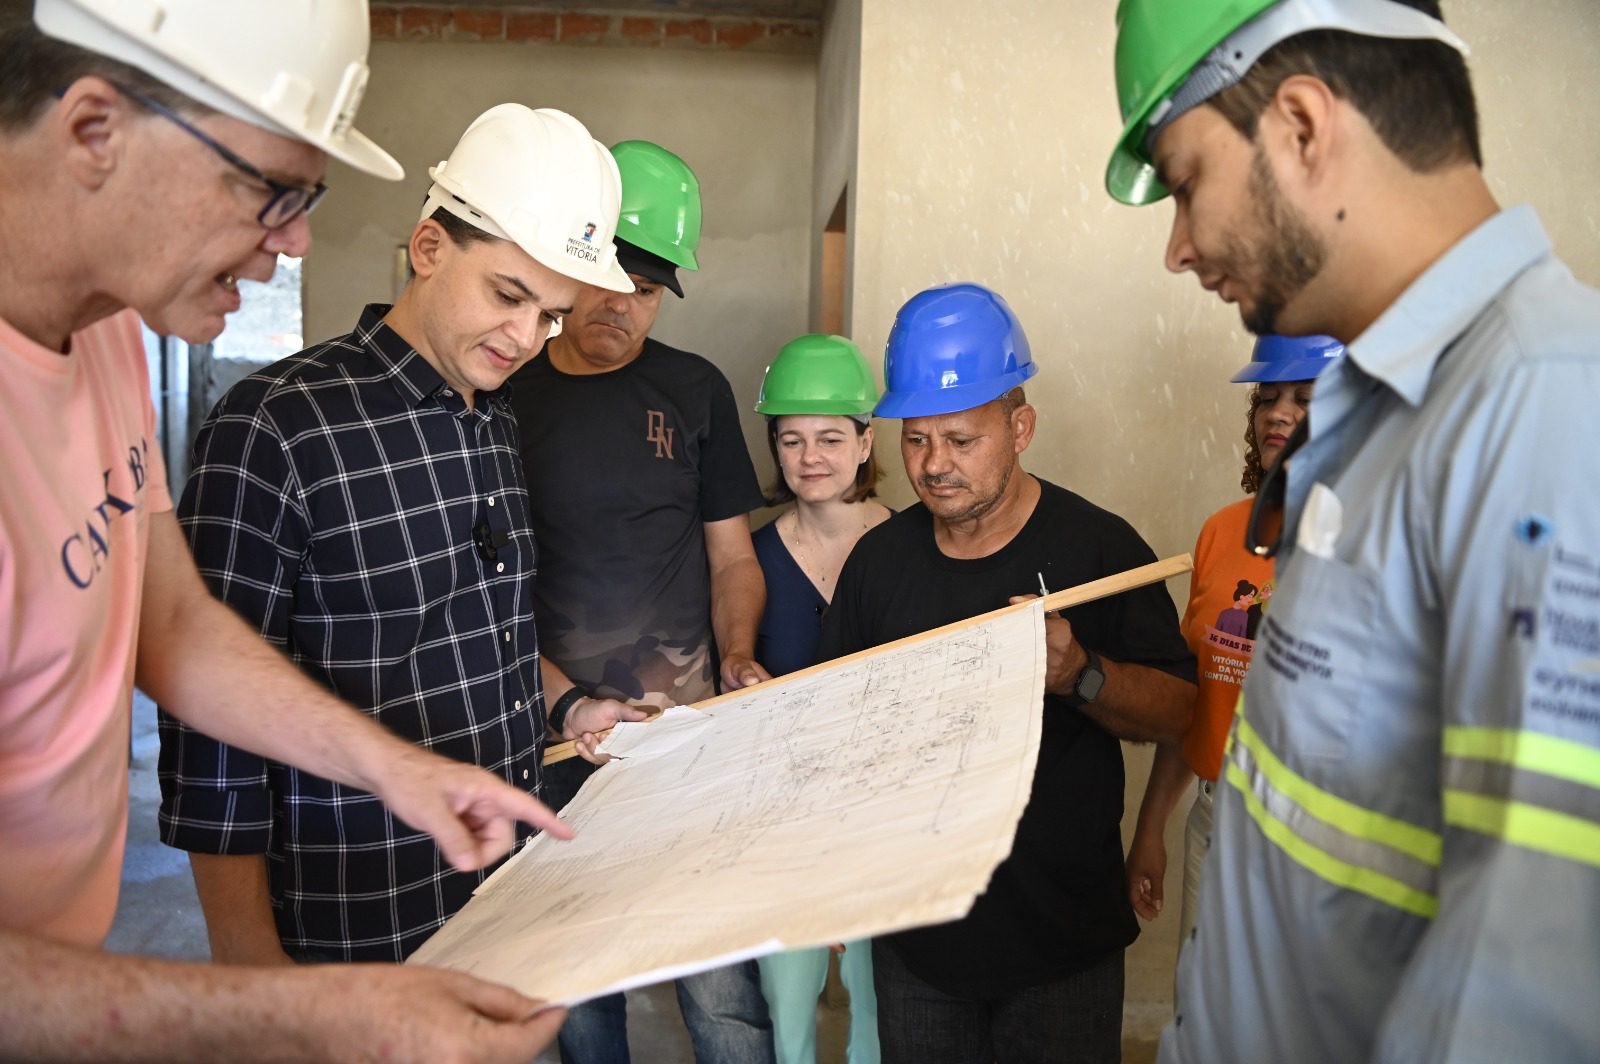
1220	625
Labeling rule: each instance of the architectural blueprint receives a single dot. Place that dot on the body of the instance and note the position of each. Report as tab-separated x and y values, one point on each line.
863	796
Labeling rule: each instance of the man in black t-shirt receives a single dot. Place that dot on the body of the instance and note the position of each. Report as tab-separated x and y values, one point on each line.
640	486
640	489
1035	972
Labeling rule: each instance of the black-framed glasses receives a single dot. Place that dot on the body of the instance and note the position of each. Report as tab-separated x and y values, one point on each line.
286	203
1264	534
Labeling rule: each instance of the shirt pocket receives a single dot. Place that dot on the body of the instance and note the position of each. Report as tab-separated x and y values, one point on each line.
1313	652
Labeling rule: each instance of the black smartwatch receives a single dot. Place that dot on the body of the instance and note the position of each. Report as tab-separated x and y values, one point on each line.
1089	682
558	712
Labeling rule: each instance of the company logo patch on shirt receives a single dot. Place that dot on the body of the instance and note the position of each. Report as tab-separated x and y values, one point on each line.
657	432
1534	530
1294	656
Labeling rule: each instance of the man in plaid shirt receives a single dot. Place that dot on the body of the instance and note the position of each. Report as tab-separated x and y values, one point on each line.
362	504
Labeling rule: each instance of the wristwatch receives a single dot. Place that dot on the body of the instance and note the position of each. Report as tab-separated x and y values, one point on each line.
1089	682
558	712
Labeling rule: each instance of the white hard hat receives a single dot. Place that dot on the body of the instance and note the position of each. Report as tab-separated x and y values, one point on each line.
538	179
297	68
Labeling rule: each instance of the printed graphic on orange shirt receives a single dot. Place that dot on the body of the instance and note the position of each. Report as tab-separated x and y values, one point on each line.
1234	632
657	432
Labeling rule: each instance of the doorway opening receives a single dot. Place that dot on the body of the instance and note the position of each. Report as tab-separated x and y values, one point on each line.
831	308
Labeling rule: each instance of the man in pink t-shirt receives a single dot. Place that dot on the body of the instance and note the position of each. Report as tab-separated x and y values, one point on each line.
149	163
75	506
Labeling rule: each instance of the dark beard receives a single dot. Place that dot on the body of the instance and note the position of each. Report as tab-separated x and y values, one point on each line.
1293	255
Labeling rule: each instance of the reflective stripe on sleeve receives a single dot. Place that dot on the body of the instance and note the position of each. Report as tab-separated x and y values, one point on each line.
1527	788
1349	846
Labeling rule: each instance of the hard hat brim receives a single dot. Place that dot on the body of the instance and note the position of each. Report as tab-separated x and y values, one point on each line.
676	254
94	31
612	278
1130	175
827	407
1129	178
937	401
1295	369
358	150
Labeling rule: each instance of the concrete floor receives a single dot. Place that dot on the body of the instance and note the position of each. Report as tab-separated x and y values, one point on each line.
159	915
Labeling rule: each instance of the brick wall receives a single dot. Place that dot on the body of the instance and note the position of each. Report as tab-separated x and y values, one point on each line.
464	22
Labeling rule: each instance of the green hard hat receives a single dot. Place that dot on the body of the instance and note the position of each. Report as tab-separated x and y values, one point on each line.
660	202
1173	55
817	374
1158	43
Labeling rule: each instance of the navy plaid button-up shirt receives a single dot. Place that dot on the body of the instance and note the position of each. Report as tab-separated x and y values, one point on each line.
333	504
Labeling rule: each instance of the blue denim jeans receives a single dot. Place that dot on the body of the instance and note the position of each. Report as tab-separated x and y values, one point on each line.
1077	1020
723	1010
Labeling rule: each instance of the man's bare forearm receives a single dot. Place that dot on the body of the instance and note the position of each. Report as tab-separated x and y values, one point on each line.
67	1003
61	1002
211	671
1142	704
738	590
738	595
206	667
237	903
1170	777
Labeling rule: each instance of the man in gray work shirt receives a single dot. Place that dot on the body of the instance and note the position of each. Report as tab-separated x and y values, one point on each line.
1406	861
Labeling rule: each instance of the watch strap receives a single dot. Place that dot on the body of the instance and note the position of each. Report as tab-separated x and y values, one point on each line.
558	712
1091	667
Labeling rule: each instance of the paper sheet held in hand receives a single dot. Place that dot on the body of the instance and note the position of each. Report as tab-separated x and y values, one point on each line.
866	795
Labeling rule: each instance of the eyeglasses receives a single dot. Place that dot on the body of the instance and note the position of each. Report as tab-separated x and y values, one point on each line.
286	203
1264	534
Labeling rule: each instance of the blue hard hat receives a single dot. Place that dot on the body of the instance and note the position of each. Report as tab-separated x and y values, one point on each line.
952	348
1289	358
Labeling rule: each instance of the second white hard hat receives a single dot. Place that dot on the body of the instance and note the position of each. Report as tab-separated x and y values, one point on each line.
297	68
538	179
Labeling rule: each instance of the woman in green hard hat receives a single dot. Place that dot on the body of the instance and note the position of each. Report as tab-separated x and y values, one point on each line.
818	396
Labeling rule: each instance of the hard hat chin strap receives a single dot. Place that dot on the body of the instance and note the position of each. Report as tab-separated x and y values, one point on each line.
1227	64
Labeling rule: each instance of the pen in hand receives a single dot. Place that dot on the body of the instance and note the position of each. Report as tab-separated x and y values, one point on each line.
1045	593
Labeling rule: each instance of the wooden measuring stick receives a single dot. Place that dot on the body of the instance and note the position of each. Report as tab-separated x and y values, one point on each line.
1105	587
1117	583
